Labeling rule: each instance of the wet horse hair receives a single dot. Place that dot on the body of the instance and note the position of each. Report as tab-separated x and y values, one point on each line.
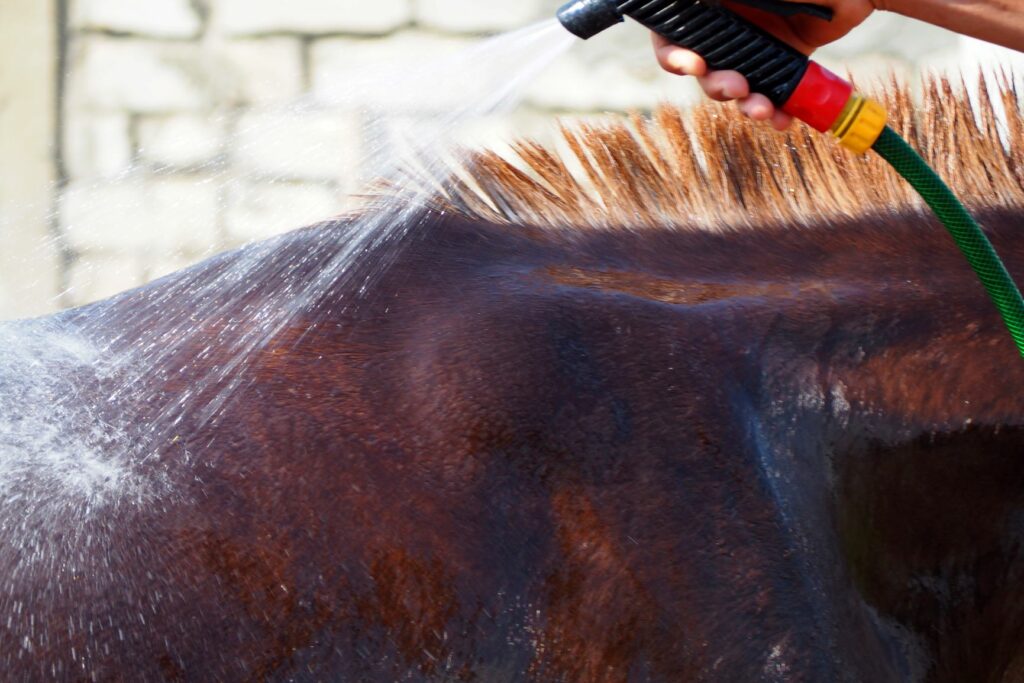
713	169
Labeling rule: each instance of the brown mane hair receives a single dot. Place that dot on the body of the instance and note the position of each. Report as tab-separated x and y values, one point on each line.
712	168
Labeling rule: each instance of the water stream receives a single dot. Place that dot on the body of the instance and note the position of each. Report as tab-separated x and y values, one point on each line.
66	449
95	423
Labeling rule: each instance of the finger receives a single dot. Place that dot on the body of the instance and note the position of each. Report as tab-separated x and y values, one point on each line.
757	107
781	120
725	85
678	60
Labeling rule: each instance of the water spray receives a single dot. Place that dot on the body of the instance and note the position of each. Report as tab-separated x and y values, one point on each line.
809	92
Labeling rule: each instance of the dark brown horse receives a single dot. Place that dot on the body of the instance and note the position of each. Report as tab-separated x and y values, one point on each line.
789	449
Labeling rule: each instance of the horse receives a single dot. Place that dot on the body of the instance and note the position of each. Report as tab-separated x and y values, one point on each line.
688	402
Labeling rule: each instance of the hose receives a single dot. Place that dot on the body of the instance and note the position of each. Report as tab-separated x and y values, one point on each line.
809	92
966	232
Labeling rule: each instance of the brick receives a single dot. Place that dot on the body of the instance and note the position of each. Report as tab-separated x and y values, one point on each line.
261	71
498	131
158	266
473	16
973	59
181	141
138	76
578	86
995	62
869	72
28	107
392	75
311	17
158	18
892	35
299	145
617	73
261	210
141	216
977	54
93	277
97	145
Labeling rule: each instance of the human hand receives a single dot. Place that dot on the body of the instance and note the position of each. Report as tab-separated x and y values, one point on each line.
803	32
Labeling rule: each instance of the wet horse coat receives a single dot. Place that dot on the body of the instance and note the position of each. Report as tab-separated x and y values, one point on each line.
783	453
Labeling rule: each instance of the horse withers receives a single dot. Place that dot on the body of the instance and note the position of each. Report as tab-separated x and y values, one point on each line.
719	420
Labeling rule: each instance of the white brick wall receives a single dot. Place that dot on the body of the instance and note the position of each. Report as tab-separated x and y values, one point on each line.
30	263
297	145
473	16
98	145
261	71
194	125
312	17
134	75
362	70
100	275
181	140
157	18
141	216
262	209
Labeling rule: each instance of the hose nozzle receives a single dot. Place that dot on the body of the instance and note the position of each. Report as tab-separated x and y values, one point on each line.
587	18
729	42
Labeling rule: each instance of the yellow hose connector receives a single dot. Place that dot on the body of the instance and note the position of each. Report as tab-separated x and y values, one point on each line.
860	124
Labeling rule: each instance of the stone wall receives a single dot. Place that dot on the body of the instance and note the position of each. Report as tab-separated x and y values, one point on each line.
191	126
30	262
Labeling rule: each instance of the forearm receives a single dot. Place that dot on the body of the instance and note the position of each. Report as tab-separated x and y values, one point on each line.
997	21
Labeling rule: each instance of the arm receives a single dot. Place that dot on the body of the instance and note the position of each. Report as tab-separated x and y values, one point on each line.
998	21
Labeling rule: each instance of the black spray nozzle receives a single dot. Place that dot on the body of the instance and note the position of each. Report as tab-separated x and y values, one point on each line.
587	18
726	41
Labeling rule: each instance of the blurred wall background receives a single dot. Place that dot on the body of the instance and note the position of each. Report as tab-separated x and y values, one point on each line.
138	136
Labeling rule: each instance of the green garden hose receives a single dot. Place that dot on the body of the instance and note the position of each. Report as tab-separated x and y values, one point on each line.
961	225
811	93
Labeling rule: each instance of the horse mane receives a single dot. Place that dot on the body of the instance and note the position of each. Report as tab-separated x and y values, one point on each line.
712	168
